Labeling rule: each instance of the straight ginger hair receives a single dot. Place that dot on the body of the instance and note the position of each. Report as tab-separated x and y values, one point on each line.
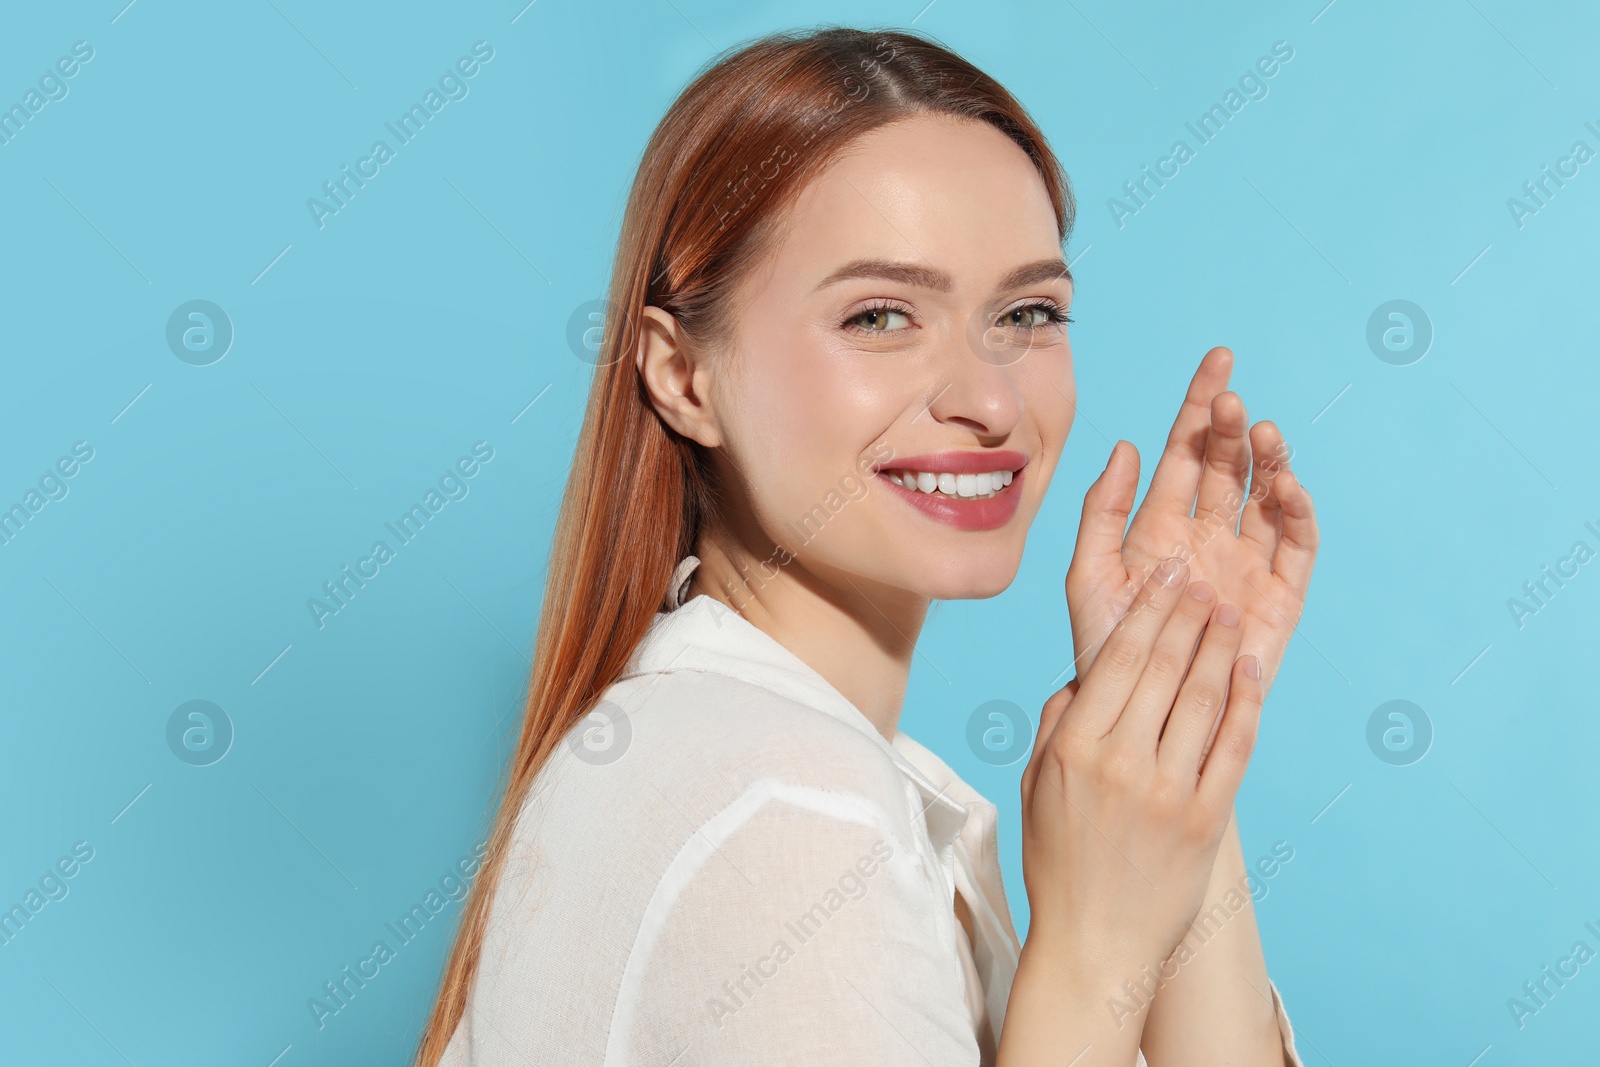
733	151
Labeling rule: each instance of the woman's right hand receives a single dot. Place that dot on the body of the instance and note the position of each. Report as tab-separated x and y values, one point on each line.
1123	805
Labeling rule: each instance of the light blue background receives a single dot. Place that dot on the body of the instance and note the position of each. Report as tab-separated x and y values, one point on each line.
372	353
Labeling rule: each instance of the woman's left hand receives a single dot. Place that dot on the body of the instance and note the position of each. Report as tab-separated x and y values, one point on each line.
1191	510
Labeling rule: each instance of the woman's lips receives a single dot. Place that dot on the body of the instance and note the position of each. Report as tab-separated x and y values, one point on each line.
964	461
982	513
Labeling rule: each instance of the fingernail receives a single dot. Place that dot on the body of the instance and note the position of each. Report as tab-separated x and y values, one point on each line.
1167	572
1252	667
1113	457
1228	615
1201	591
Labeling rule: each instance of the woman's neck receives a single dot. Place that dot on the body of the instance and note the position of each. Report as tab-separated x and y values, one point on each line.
857	634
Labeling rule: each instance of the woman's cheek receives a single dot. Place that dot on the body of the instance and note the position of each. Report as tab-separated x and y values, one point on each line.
820	403
1052	394
785	421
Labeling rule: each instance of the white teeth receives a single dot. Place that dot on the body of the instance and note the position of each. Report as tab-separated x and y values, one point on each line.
961	486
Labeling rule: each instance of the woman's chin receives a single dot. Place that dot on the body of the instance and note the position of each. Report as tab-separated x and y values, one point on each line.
963	572
967	579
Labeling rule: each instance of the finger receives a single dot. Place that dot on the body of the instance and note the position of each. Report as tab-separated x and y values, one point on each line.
1297	547
1097	560
1049	718
1106	506
1110	680
1236	736
1226	470
1153	696
1177	475
1200	701
1259	523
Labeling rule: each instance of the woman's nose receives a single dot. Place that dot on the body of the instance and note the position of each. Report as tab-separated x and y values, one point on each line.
979	387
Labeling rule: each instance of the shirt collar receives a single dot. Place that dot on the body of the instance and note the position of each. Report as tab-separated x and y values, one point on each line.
705	634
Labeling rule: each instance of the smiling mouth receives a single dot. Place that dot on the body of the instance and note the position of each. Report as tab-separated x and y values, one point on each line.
951	486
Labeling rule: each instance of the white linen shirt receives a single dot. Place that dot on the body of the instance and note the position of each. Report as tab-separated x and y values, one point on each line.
727	865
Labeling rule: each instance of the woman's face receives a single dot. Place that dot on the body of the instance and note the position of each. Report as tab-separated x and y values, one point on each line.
903	329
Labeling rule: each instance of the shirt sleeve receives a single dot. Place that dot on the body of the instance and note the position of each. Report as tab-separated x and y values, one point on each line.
1291	1054
797	926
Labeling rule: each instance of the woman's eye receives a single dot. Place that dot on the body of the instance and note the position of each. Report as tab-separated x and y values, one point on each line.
880	320
1035	316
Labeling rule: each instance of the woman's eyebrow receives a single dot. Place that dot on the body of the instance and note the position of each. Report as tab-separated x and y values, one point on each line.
1044	270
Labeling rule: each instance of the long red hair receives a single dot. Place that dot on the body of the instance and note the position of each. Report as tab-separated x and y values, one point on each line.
728	157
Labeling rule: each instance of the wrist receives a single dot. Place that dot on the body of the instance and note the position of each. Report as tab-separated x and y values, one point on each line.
1064	1003
1107	977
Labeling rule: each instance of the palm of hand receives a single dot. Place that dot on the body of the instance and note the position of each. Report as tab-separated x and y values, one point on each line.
1197	497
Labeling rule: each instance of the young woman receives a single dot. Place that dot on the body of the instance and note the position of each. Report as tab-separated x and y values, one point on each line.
835	384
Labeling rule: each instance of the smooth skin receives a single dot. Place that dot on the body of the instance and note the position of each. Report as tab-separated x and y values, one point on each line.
1124	807
818	379
1213	476
1198	496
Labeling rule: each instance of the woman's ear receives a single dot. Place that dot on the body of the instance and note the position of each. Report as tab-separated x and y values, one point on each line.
675	377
